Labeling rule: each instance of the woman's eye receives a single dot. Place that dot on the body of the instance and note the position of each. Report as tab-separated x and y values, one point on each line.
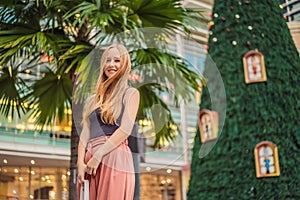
108	60
117	60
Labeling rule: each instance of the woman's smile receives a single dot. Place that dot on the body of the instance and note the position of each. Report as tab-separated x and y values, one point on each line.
112	64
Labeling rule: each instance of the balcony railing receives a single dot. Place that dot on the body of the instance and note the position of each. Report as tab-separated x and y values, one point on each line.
14	135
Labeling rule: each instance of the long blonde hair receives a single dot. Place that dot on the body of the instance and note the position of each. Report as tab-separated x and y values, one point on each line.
109	91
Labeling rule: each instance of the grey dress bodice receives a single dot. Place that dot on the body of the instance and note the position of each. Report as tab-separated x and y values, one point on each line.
98	128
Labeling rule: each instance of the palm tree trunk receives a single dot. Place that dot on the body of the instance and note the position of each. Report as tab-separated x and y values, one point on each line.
82	36
77	109
73	163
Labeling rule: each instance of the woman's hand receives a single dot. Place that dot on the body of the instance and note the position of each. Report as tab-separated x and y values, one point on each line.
81	172
92	165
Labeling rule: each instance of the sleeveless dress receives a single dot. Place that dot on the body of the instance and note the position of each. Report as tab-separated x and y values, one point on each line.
115	178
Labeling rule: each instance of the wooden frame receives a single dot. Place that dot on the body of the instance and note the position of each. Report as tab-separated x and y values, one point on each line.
254	67
208	122
266	151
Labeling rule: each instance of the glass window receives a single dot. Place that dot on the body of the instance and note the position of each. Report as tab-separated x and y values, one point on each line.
295	17
159	185
25	183
295	6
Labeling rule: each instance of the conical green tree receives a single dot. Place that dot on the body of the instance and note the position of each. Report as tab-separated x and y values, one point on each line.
256	112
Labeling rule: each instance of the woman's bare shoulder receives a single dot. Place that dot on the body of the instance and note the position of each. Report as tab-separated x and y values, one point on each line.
132	92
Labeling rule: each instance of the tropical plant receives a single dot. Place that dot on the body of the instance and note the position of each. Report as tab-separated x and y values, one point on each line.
59	36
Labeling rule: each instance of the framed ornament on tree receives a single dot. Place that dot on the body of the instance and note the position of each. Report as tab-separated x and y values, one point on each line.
266	160
208	124
254	67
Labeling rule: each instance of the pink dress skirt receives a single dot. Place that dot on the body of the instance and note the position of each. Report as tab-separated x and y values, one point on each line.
114	179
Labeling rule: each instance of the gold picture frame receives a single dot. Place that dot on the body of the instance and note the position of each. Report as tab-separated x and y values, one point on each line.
208	122
254	67
266	160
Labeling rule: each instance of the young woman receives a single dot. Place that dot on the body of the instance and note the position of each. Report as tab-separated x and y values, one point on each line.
108	118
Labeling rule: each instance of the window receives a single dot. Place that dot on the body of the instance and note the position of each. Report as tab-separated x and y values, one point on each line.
266	160
208	125
254	67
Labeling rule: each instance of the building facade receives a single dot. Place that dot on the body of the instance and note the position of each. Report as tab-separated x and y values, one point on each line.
33	165
291	9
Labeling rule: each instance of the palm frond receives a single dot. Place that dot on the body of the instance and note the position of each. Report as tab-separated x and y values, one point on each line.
163	121
30	40
157	66
103	17
15	82
51	95
68	30
75	55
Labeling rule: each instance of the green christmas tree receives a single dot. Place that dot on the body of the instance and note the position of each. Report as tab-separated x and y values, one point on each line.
255	112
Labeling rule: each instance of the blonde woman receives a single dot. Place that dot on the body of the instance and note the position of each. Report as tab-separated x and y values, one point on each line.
108	118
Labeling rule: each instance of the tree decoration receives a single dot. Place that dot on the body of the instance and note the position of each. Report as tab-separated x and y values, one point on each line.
247	2
231	8
208	124
266	160
223	19
215	39
248	43
254	67
250	28
254	112
237	16
210	24
216	15
228	30
234	42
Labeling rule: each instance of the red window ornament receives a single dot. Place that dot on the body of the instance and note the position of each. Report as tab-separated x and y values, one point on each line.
254	67
266	160
208	125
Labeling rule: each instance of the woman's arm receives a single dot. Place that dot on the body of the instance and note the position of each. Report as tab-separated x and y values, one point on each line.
132	99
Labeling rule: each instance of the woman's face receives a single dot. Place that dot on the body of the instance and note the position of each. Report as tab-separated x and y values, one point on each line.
112	62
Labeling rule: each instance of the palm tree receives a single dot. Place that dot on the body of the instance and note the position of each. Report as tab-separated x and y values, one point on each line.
61	35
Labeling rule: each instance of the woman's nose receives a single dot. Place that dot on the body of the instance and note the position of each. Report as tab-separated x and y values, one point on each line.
111	63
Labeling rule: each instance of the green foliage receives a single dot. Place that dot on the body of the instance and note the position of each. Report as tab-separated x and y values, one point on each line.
52	92
267	111
69	31
10	85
